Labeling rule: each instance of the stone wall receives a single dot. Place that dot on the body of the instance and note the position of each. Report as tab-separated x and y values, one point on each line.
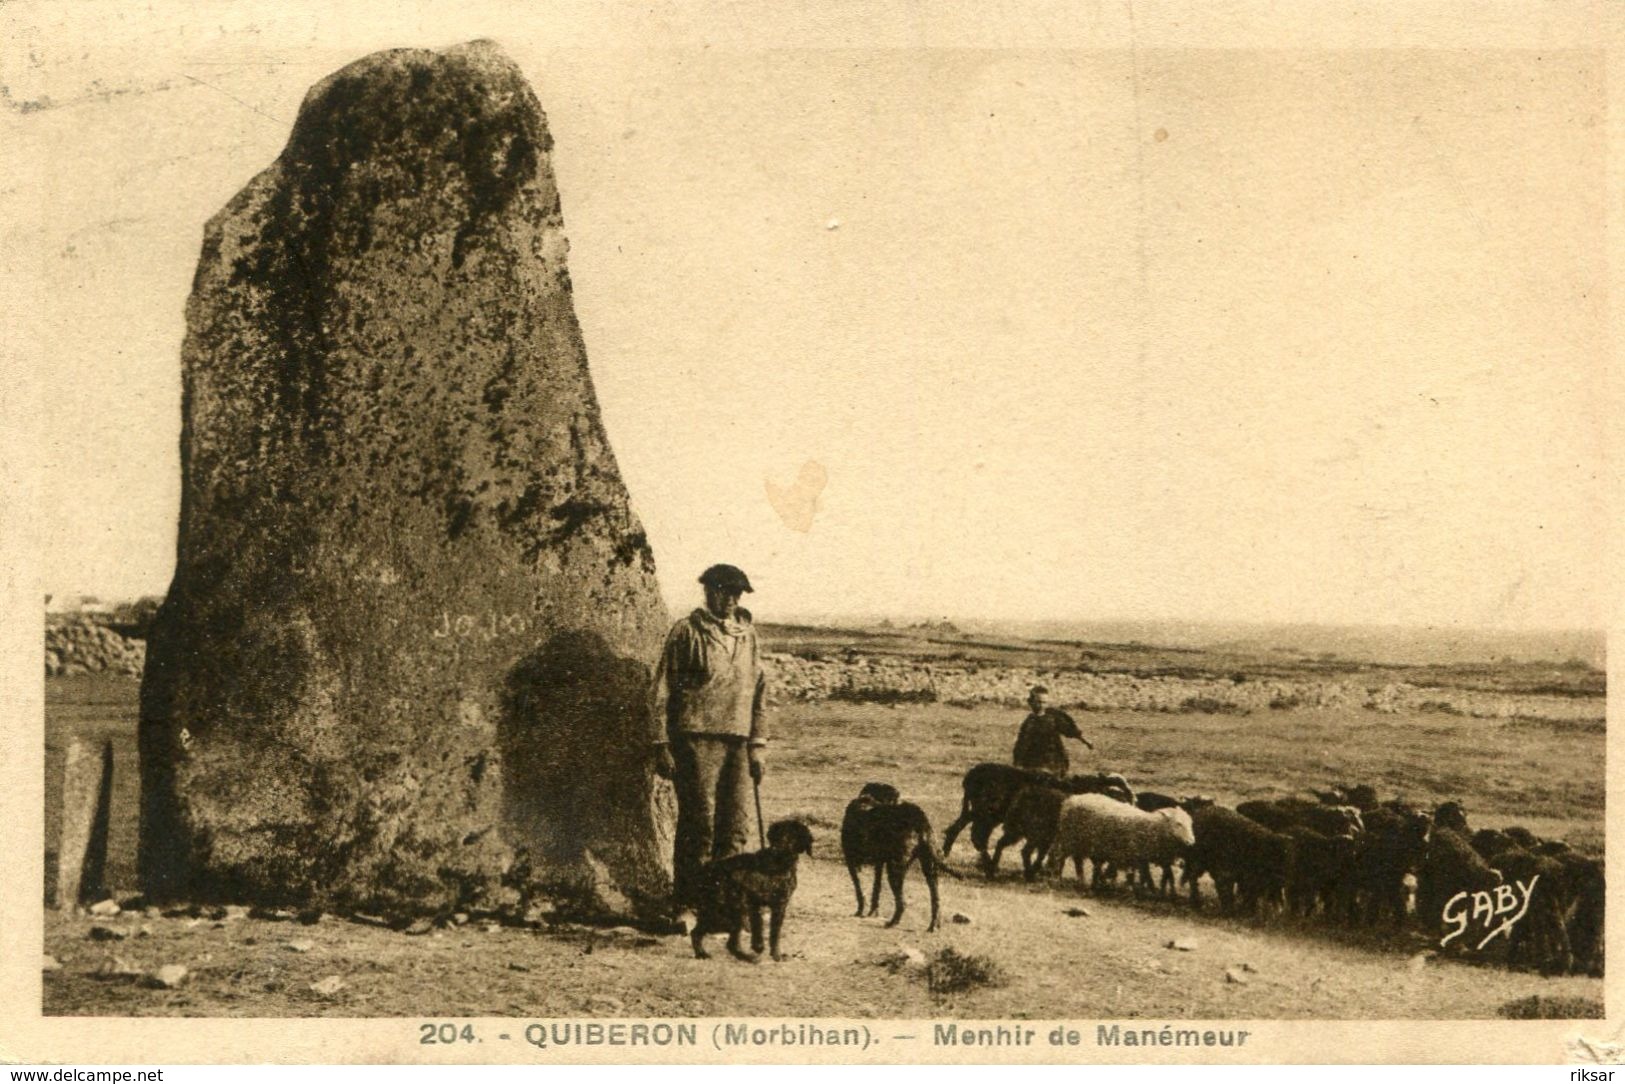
883	678
85	646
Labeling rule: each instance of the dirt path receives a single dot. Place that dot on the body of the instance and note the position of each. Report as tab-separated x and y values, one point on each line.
1112	964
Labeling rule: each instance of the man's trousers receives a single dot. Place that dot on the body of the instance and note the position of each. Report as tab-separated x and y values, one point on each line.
714	805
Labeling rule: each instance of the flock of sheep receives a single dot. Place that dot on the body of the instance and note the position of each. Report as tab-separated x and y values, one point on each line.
1341	855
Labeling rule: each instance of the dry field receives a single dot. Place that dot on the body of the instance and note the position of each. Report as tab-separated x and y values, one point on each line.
1111	963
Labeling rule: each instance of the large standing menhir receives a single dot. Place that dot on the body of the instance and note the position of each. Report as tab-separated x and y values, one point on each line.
408	640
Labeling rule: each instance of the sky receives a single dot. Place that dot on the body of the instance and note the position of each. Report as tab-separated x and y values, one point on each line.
1209	334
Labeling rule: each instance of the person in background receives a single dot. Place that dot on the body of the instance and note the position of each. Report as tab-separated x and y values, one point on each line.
707	726
1038	745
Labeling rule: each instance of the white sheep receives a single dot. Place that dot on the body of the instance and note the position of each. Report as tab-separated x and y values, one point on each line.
1109	832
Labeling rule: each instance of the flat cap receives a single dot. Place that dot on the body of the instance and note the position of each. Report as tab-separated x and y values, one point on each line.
726	577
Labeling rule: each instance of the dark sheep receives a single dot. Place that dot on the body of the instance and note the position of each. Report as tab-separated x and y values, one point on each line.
989	789
1401	806
1489	842
1453	816
1239	854
1588	891
1033	816
1451	866
1282	813
1321	871
1522	836
1541	936
1362	797
1391	848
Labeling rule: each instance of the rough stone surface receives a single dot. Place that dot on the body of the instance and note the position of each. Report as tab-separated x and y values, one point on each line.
413	617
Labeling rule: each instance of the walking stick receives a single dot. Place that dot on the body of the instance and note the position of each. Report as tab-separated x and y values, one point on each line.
761	837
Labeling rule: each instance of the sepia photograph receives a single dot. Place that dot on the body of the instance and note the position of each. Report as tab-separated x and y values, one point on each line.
898	548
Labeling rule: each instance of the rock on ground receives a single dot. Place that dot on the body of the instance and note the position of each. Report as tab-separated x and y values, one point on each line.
168	976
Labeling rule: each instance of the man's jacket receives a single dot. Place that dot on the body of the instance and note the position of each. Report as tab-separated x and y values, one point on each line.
709	681
1038	745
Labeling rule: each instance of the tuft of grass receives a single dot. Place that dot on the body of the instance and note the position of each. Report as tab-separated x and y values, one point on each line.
884	696
952	972
1574	726
1207	705
1552	1007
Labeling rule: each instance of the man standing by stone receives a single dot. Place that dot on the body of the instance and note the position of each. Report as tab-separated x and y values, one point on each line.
1038	745
707	723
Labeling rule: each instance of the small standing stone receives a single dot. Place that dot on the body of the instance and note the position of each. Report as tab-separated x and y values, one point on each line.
81	853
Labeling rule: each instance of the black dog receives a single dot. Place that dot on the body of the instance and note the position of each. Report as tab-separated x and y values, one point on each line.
882	832
734	889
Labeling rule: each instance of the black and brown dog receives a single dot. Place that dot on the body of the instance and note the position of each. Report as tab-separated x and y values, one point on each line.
736	889
881	831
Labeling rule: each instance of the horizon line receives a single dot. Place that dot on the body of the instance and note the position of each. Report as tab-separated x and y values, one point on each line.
902	619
